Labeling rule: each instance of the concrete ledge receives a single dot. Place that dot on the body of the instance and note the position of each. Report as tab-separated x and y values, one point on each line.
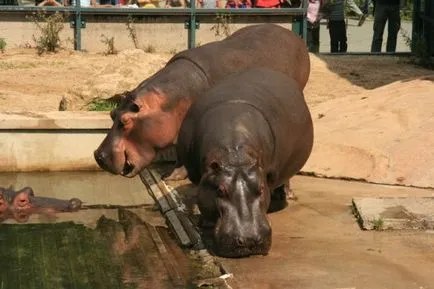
55	120
395	213
51	141
55	141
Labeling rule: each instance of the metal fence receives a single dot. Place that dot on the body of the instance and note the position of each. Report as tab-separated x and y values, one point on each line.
77	15
423	24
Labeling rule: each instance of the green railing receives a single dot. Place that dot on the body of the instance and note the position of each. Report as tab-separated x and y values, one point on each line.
78	16
423	23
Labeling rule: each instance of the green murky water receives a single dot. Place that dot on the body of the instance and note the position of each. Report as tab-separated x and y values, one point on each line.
115	254
64	255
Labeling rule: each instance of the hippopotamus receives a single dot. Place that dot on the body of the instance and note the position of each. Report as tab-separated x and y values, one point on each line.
20	204
240	143
148	118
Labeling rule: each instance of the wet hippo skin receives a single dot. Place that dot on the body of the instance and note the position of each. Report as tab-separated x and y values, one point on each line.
149	117
19	205
240	143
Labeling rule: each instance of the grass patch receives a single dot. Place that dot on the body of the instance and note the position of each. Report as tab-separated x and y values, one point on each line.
378	224
102	105
150	49
4	65
2	45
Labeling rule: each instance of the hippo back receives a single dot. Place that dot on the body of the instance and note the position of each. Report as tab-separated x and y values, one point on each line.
283	108
264	45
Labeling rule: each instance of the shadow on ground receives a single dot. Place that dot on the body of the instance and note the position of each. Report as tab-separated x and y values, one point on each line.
370	72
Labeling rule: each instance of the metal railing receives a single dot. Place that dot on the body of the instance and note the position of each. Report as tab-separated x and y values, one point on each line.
78	15
423	24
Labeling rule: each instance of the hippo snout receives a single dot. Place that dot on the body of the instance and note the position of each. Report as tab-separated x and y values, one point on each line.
256	241
101	159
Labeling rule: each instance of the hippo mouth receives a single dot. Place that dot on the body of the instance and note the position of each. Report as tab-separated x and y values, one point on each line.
128	168
240	252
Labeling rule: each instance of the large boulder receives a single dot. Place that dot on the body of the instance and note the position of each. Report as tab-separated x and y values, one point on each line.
385	135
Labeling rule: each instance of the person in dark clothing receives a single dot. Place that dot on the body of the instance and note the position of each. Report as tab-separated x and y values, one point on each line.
313	27
337	27
386	11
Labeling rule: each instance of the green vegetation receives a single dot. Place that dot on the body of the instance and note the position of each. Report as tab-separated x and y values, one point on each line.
378	224
150	49
419	48
110	45
222	23
102	105
132	33
2	45
49	27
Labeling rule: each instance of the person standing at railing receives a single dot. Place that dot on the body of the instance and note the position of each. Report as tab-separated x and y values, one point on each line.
386	11
239	4
208	4
313	18
337	27
267	3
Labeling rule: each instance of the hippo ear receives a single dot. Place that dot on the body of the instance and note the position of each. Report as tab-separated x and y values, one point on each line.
27	190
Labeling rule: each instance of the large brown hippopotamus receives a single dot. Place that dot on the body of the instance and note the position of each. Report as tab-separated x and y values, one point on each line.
240	143
149	117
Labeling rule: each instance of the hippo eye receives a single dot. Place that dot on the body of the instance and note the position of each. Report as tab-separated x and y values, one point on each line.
135	108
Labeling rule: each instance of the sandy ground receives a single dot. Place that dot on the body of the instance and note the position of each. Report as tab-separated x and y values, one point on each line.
31	82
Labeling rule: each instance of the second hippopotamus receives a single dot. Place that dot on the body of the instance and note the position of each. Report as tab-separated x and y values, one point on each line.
240	143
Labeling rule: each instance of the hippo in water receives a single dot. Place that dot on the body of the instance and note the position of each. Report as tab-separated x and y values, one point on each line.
240	143
20	204
148	118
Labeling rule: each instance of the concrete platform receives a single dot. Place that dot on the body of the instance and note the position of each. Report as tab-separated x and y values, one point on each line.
317	243
395	213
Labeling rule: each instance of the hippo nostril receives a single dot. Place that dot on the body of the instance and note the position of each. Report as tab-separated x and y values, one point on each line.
100	158
259	240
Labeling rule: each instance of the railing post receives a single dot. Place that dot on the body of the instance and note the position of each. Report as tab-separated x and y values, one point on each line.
192	25
77	26
299	23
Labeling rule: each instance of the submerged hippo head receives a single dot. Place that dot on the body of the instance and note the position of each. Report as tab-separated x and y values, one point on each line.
141	126
237	198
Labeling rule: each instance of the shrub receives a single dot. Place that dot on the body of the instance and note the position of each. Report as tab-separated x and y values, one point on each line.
2	45
110	45
49	27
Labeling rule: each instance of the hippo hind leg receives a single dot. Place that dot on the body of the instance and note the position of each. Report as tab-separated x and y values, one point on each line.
280	197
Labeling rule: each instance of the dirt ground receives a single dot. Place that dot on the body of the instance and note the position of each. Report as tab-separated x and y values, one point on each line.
31	82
